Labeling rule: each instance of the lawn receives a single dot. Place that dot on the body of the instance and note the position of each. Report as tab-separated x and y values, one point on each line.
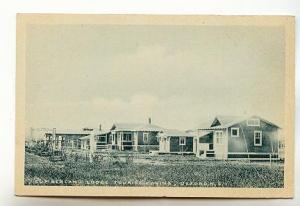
175	171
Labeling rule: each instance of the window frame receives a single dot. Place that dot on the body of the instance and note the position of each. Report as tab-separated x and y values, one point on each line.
238	132
184	140
146	134
126	134
260	138
99	139
253	125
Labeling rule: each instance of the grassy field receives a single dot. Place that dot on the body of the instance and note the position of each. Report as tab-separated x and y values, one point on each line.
175	171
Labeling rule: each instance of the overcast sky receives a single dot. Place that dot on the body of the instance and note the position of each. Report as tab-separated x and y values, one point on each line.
180	76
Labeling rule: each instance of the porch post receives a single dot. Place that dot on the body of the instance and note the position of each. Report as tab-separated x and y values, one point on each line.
135	139
122	136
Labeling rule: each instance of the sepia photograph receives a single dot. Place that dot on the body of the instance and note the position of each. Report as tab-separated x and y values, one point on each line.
155	106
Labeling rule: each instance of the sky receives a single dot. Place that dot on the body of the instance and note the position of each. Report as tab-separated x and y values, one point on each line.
181	76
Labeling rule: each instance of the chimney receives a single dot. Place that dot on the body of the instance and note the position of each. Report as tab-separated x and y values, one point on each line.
100	127
149	120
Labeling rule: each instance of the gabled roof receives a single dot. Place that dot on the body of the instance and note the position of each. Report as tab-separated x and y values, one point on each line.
176	133
136	127
223	122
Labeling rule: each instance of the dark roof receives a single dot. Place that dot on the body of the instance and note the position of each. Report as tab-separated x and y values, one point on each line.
96	133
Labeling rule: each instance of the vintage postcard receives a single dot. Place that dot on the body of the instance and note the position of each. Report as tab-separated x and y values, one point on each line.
155	106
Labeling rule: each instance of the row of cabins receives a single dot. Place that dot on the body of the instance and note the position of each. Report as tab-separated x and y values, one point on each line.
226	137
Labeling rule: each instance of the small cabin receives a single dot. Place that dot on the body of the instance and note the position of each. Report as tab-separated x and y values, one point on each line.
176	142
65	139
135	136
230	137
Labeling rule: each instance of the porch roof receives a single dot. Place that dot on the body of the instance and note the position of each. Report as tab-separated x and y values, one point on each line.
98	133
85	137
202	133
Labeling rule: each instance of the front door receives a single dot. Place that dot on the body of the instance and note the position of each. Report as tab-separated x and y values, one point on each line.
219	144
163	144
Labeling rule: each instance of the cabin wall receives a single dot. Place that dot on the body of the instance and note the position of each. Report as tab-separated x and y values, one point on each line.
152	138
146	146
175	147
245	141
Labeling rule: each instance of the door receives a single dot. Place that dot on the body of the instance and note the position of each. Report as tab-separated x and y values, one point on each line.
219	144
163	147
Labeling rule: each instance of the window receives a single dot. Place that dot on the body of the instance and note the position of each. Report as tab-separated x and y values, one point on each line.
253	122
235	132
145	137
127	137
102	138
257	138
181	140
